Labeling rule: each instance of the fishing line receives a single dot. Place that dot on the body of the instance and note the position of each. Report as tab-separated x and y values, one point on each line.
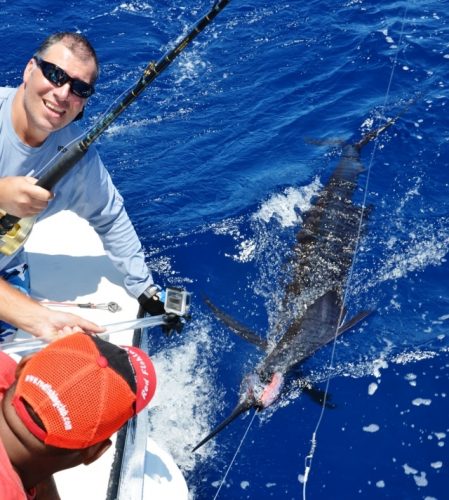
234	457
52	160
309	457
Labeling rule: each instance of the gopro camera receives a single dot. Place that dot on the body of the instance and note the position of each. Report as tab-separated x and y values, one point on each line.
177	301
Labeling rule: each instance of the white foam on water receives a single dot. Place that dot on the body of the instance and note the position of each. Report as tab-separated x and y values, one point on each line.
409	357
244	485
245	251
421	479
372	388
379	364
411	249
411	378
134	7
417	255
284	207
189	67
409	470
371	428
186	398
422	402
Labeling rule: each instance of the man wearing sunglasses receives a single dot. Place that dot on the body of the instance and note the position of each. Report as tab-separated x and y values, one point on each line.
36	122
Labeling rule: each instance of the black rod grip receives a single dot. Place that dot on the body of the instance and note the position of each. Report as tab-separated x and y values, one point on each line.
68	159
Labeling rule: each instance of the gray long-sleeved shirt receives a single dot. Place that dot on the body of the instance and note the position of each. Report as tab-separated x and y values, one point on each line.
87	190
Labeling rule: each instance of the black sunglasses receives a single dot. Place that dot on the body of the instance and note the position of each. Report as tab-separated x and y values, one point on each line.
59	77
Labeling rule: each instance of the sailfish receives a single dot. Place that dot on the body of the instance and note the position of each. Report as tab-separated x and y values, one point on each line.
312	309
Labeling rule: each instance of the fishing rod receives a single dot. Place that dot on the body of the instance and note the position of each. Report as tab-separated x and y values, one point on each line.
13	234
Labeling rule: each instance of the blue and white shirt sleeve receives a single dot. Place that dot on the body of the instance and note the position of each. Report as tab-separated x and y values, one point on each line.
95	198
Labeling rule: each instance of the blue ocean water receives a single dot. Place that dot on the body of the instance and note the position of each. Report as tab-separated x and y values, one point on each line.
218	160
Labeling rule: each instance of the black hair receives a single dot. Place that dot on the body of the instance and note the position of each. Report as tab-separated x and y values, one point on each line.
75	42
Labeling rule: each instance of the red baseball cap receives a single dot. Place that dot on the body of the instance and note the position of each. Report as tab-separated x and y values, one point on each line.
82	389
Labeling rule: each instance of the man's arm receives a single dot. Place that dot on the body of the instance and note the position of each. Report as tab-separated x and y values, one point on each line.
27	314
94	197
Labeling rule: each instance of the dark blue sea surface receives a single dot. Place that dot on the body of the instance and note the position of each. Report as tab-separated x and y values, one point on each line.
218	161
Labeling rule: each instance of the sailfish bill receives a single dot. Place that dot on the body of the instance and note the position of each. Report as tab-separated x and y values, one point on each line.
238	410
312	310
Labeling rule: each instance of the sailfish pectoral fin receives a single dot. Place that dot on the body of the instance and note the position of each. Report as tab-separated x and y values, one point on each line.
242	407
235	326
319	396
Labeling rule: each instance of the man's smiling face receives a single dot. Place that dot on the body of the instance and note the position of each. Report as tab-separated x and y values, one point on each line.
48	107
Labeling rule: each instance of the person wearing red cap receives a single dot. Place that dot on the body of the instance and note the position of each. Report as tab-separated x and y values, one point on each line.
60	406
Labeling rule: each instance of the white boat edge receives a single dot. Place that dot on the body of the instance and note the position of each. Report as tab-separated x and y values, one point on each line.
68	265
